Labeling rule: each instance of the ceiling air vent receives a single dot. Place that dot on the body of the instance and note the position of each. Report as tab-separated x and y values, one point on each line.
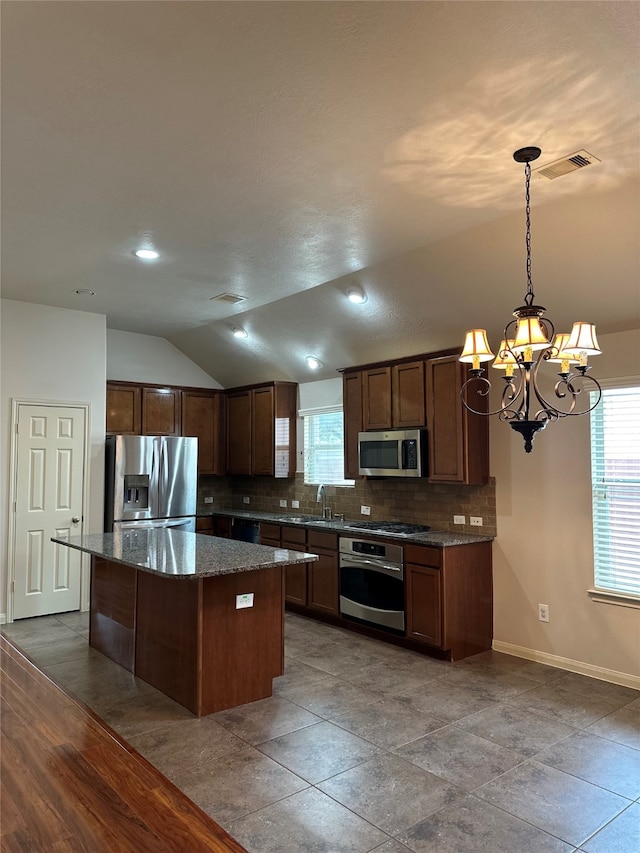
567	164
230	298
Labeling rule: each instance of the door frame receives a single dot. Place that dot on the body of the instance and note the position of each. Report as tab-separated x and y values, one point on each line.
85	408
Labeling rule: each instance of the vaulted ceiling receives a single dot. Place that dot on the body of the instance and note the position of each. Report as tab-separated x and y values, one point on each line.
284	151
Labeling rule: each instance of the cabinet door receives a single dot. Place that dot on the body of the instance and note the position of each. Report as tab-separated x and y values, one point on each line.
458	440
424	604
408	395
161	411
295	577
323	582
123	409
263	427
239	432
202	416
352	407
222	526
205	525
376	396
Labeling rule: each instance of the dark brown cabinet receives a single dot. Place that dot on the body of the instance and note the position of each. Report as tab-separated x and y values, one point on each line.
203	417
295	584
352	408
322	576
161	411
408	395
376	398
450	597
123	409
261	430
458	439
206	525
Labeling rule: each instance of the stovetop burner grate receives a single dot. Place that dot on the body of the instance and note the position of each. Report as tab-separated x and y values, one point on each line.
390	527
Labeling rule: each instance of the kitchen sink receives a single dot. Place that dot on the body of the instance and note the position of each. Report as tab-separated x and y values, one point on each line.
309	519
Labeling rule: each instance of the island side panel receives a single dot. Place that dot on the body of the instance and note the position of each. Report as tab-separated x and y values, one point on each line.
242	649
167	632
112	622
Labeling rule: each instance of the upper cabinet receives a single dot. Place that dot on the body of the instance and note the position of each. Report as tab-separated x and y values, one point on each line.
418	392
134	409
261	429
161	411
352	408
393	396
458	439
203	416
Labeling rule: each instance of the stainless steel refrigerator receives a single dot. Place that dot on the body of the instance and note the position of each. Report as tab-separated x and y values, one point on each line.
151	481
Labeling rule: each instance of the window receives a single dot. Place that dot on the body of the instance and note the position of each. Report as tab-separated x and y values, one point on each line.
324	447
615	477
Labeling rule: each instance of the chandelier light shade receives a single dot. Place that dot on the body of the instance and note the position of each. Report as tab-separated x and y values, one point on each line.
523	405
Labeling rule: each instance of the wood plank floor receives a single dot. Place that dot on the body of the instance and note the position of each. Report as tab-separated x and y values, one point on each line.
69	783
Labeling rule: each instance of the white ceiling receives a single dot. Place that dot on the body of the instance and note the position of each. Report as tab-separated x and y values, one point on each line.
282	150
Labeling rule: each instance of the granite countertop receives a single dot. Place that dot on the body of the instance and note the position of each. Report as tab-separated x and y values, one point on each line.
437	538
178	554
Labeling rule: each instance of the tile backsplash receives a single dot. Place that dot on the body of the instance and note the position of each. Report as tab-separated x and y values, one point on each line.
389	499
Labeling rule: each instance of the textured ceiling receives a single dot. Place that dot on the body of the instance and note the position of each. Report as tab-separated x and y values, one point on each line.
282	151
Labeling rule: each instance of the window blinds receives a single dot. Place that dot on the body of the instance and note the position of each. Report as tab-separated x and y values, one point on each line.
324	448
615	475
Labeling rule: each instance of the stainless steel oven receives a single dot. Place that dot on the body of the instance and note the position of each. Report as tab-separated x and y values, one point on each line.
372	583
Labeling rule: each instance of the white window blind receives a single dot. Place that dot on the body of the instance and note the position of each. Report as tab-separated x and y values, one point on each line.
324	447
615	474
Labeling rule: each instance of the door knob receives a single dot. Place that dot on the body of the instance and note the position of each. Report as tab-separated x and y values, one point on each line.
75	519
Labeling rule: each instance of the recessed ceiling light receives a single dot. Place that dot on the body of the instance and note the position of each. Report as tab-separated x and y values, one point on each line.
357	296
239	332
84	291
313	362
147	254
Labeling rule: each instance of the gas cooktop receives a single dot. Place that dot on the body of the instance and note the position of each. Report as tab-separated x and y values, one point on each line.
399	528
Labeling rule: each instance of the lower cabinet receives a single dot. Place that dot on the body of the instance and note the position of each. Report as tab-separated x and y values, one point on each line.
322	576
295	582
214	525
450	597
206	524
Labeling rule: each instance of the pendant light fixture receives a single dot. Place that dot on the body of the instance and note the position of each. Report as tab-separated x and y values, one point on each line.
523	405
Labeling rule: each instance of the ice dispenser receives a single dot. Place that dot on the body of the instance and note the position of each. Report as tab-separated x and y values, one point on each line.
136	492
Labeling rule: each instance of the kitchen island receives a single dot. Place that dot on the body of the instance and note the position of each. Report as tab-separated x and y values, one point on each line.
198	617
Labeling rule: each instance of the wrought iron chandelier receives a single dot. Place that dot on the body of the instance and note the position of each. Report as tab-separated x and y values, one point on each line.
523	405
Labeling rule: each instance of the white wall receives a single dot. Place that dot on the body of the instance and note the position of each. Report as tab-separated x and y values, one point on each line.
50	354
544	551
145	358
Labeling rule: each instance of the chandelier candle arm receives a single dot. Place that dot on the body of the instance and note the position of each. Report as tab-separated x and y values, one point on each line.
532	333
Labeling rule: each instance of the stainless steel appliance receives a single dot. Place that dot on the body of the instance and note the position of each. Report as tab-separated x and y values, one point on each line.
392	453
372	583
150	481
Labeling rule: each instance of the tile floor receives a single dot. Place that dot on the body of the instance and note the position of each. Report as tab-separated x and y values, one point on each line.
365	746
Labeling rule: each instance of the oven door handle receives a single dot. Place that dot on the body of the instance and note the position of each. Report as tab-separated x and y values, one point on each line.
362	561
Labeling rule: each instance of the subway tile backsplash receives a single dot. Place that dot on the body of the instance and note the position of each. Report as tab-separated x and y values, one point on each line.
390	500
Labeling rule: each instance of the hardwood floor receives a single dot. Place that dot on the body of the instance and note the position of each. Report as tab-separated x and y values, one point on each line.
68	783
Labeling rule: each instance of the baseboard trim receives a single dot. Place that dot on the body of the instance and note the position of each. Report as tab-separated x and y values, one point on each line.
3	618
612	675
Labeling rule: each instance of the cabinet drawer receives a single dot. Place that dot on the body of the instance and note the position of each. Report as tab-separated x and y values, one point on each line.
295	535
322	539
270	531
423	555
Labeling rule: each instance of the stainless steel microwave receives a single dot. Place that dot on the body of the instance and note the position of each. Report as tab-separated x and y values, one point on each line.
393	453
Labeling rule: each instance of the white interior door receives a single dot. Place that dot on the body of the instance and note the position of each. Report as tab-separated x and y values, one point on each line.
49	483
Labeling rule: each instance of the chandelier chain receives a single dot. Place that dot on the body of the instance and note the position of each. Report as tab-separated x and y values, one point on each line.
530	295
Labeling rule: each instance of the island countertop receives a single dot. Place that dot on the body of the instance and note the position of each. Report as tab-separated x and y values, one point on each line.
178	554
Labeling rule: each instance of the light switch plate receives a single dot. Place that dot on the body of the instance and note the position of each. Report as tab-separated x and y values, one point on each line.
295	504
246	500
459	519
244	600
208	500
365	510
283	503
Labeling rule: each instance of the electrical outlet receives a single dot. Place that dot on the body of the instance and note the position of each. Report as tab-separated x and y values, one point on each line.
246	500
365	510
459	519
283	503
244	600
475	521
295	504
543	612
208	500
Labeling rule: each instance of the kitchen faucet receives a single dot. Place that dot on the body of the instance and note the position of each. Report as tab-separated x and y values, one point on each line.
321	497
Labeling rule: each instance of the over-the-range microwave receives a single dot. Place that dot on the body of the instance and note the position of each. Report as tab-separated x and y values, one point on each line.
393	453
